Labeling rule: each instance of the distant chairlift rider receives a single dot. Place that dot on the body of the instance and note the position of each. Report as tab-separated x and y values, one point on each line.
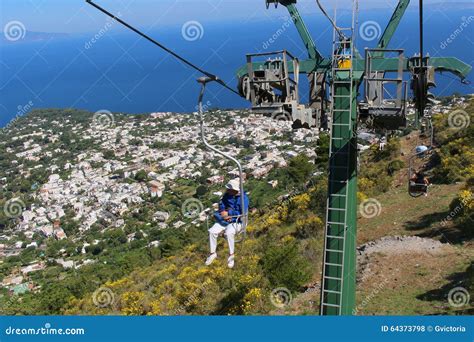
419	183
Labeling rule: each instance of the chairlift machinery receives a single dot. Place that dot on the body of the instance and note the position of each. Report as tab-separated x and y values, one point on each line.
272	87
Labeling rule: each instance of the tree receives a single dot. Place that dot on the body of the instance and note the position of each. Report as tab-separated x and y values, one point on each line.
284	265
201	191
300	169
109	154
141	176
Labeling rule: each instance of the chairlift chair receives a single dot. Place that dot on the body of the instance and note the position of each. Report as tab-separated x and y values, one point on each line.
416	188
378	111
240	235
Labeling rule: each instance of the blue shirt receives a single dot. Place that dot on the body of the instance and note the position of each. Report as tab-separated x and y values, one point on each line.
232	205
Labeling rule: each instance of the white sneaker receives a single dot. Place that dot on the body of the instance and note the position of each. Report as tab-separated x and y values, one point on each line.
210	259
230	262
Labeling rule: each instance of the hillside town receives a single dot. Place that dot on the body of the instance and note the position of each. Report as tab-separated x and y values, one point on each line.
127	162
121	163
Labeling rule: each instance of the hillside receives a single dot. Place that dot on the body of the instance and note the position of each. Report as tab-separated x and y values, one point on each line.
279	264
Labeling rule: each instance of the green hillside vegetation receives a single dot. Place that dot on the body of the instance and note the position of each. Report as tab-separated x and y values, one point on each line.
283	248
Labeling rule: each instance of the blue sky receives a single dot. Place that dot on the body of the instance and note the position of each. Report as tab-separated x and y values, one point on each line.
76	16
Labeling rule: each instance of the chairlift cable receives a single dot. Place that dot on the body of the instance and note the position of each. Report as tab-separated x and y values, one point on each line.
174	54
330	20
421	82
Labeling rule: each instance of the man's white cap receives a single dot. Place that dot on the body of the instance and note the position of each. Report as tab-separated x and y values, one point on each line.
234	184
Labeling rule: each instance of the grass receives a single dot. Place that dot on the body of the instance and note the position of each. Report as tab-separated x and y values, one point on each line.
403	215
417	284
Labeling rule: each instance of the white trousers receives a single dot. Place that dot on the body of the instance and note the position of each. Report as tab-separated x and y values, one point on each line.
230	231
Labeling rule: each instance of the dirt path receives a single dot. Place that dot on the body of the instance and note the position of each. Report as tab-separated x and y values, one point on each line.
390	246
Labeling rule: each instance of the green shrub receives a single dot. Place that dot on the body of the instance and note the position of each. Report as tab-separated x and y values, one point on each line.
395	165
284	266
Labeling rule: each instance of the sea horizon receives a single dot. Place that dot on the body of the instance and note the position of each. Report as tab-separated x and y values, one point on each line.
116	71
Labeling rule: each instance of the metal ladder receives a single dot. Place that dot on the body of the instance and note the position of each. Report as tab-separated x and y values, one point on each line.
339	172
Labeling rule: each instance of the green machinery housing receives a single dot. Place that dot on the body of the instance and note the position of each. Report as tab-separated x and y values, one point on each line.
272	85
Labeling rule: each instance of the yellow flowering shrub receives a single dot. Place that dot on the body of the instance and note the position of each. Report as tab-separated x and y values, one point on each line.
252	301
309	226
361	197
301	201
121	283
365	184
155	308
132	303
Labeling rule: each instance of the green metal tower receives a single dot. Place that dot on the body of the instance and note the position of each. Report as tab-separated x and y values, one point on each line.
339	259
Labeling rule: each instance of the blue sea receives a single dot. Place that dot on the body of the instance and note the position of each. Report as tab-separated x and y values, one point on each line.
122	72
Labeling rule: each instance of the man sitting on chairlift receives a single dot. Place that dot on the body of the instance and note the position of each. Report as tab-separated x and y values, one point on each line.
420	182
228	219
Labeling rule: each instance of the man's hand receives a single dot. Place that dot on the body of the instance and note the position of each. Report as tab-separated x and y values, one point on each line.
225	216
